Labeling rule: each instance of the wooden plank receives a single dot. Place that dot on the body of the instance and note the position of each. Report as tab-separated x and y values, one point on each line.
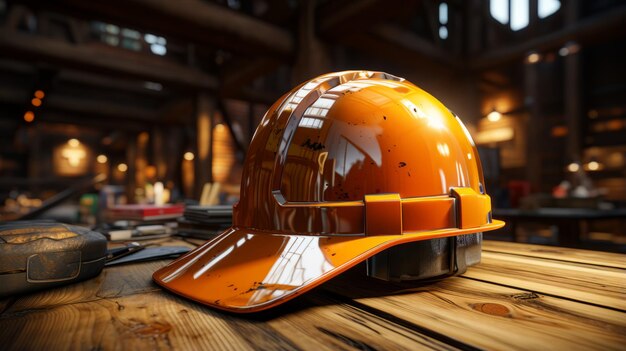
598	258
116	281
138	322
580	282
193	21
489	316
161	320
102	59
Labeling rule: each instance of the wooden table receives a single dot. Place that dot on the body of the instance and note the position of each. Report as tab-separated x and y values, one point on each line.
519	297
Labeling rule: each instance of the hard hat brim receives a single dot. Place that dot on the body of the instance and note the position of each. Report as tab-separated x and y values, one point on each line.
243	270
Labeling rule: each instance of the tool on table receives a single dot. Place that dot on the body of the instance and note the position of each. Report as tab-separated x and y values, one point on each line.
119	252
142	254
36	255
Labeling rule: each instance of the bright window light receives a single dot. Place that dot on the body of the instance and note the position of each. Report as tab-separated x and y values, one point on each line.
519	14
546	8
150	38
158	49
499	10
443	32
443	13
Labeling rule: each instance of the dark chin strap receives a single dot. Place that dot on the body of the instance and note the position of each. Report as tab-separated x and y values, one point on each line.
458	264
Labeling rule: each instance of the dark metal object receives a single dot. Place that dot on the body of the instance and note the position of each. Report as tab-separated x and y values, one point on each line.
119	252
150	254
436	258
38	255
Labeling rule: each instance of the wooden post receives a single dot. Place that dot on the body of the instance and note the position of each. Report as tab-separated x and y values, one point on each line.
572	90
141	159
131	156
312	57
533	126
205	109
159	153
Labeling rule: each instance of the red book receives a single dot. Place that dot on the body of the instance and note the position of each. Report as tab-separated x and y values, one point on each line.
145	212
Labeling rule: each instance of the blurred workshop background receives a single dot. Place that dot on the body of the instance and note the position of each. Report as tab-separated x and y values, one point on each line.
155	102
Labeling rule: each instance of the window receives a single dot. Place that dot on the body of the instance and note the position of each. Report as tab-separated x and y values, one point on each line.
129	39
546	8
157	44
443	20
519	14
516	13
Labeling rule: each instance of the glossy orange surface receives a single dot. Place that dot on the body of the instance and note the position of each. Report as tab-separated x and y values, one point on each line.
339	169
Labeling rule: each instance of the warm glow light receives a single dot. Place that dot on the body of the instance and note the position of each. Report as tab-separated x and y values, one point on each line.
189	156
36	102
494	116
494	135
29	116
593	166
39	94
533	58
573	167
73	142
122	167
102	159
223	153
559	131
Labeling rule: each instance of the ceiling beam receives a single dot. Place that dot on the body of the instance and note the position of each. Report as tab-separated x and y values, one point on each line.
104	82
100	58
599	28
239	73
412	42
339	18
88	108
189	20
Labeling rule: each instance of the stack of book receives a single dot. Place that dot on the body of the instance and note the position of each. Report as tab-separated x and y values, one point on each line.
142	222
204	222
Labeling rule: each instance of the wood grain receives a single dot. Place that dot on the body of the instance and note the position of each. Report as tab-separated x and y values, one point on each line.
601	286
488	316
599	258
158	320
114	281
520	297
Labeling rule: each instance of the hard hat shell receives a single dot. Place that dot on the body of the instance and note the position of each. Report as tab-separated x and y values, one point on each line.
339	169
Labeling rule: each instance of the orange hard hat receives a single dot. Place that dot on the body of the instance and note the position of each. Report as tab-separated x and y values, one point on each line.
341	168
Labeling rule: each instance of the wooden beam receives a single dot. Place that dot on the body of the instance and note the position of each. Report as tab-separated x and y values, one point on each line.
420	46
534	127
341	18
130	175
238	74
573	91
205	110
240	146
312	58
103	59
599	28
88	108
102	124
104	82
190	20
